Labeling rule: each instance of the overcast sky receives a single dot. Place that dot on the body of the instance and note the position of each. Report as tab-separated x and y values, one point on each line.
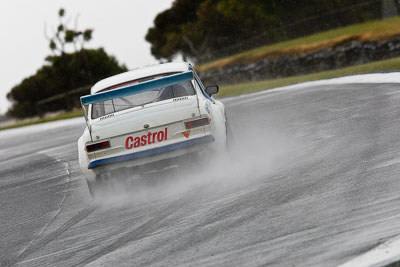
119	26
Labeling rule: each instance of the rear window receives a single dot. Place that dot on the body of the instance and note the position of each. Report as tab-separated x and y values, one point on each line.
100	109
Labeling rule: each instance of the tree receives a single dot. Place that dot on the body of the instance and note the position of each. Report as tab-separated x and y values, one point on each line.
62	74
397	5
203	29
228	22
65	35
170	27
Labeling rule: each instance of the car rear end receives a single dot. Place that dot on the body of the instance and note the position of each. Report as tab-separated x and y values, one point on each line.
145	124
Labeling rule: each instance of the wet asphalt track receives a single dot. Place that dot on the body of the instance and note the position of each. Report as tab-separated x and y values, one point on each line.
313	180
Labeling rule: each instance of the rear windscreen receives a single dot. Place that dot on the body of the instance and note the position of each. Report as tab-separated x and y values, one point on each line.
100	109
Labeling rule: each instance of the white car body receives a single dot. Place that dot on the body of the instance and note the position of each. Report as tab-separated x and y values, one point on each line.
151	132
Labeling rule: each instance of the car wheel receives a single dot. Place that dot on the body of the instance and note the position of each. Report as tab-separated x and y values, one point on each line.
100	186
94	189
229	135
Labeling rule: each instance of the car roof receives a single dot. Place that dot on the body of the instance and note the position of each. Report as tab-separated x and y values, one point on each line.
139	73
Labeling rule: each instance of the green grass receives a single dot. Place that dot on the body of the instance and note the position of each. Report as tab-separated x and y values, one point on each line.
251	87
68	115
380	27
372	30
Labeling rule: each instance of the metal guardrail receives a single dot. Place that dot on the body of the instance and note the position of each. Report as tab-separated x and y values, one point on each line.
66	94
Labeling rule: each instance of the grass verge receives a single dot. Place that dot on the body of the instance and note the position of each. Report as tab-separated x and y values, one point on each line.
251	87
372	30
68	115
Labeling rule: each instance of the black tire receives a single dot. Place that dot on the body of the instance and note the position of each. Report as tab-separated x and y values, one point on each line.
94	189
100	186
229	134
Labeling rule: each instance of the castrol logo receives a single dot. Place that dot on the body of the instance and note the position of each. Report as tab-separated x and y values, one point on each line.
146	139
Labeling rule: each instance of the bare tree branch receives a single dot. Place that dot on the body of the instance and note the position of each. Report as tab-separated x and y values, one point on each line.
63	37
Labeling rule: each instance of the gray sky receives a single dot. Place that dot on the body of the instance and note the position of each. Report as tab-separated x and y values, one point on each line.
119	26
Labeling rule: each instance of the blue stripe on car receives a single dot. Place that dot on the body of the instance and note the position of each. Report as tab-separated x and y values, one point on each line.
151	152
137	88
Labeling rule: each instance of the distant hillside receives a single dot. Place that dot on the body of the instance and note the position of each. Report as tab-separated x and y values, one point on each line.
209	29
368	31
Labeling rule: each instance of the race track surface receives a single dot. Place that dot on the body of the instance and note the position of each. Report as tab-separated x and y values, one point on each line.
312	180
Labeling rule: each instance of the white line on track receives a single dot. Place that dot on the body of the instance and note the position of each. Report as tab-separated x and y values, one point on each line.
393	77
382	255
46	151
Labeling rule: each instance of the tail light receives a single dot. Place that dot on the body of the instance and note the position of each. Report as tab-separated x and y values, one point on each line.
97	146
197	123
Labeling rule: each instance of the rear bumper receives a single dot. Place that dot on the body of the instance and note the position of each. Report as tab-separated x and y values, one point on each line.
152	152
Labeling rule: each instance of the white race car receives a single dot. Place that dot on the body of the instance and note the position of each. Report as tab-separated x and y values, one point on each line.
148	118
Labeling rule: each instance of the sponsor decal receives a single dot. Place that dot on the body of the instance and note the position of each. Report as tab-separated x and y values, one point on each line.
106	117
146	139
181	98
186	134
208	109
